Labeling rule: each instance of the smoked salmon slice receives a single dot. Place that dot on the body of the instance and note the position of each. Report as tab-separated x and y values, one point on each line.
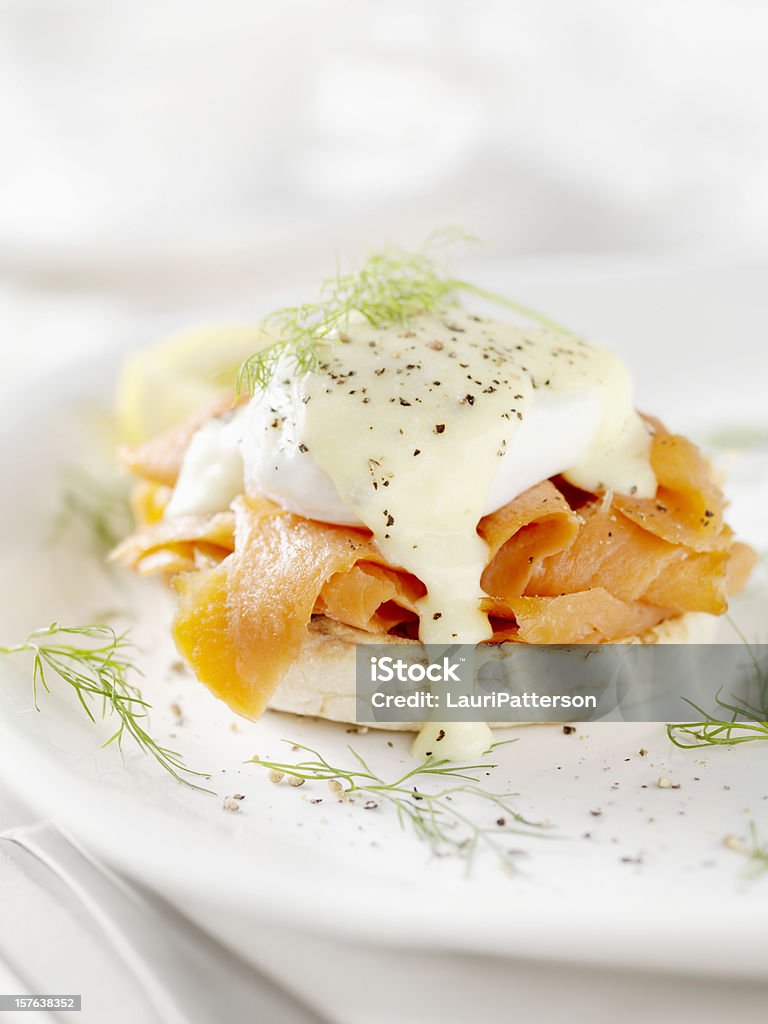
240	624
590	616
688	506
176	544
370	597
537	524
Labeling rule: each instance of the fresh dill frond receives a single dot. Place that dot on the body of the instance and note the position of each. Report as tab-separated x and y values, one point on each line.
499	743
755	851
711	731
437	817
99	504
97	662
390	288
747	721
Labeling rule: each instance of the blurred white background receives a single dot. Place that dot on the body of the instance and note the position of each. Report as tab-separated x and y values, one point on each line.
189	143
165	162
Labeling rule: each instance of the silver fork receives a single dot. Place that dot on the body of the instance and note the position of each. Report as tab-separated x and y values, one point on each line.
186	975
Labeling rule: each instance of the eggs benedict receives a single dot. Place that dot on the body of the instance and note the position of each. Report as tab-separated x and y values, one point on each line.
413	471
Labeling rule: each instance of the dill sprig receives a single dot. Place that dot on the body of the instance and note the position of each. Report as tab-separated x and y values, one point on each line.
744	726
100	504
747	722
97	662
435	816
755	851
390	288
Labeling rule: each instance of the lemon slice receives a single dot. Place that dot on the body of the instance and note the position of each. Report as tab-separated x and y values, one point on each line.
161	385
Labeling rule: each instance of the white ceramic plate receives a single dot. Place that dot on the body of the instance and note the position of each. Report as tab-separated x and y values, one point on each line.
634	874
